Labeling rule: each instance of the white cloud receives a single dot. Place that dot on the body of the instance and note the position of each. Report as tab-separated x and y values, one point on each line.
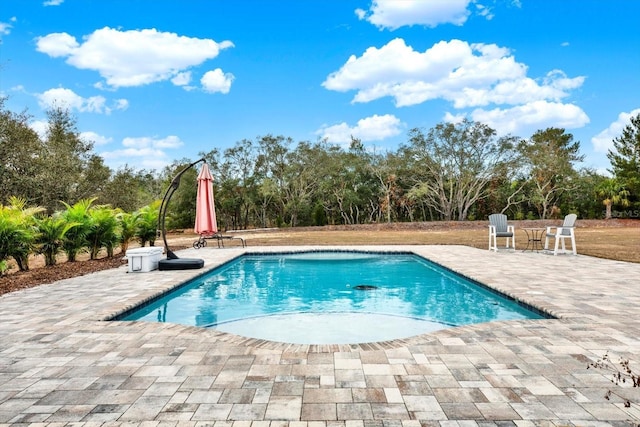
5	28
182	79
121	104
53	2
393	68
61	97
132	58
485	77
170	141
374	128
532	116
393	14
217	81
95	138
469	75
57	44
67	98
143	152
40	127
19	88
453	118
603	142
140	158
485	12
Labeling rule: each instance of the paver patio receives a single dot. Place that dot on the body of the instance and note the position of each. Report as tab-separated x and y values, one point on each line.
61	363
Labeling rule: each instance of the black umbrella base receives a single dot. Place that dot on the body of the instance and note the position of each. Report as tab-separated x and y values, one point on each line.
180	264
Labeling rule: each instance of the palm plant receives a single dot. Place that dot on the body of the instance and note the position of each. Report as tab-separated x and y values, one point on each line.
102	232
147	223
612	192
11	234
127	229
75	240
18	231
51	235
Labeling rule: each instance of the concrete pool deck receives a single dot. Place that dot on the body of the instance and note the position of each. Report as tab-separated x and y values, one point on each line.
62	364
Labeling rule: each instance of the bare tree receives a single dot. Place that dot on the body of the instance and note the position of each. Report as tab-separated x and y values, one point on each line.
460	161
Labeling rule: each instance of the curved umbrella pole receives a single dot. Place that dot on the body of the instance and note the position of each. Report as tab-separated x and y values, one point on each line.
175	183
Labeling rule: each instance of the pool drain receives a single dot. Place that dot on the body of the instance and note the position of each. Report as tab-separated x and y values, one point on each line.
365	287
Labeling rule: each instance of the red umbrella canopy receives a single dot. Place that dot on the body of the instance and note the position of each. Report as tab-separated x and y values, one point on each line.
205	207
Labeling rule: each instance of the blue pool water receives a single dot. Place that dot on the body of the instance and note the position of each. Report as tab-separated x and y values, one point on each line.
331	297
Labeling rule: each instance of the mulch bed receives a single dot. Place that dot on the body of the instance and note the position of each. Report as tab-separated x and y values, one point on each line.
65	270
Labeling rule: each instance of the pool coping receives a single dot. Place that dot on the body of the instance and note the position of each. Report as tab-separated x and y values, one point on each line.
230	254
271	344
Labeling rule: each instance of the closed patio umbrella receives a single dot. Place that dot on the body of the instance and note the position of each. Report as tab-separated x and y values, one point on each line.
173	262
205	207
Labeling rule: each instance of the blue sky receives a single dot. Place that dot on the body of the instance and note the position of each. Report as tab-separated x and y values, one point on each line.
150	81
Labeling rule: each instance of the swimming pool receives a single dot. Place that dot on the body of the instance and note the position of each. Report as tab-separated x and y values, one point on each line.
331	297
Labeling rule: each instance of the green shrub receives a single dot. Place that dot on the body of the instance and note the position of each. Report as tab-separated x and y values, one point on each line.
102	232
75	240
51	235
18	231
126	229
146	220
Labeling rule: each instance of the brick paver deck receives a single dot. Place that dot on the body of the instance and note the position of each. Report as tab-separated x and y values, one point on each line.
61	363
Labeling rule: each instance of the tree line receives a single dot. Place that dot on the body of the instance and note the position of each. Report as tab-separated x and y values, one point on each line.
453	171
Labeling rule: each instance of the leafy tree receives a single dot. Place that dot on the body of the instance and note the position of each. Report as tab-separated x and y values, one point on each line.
625	158
64	161
267	195
129	189
301	182
93	179
612	192
228	201
271	165
347	185
387	174
240	167
460	161
20	151
508	195
334	190
549	155
583	199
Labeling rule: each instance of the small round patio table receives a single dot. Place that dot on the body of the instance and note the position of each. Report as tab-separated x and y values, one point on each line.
534	238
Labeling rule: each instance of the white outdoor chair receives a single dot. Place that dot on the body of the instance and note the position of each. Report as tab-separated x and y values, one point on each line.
498	227
560	234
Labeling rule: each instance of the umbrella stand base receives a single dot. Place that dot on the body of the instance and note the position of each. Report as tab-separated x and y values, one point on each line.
180	264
